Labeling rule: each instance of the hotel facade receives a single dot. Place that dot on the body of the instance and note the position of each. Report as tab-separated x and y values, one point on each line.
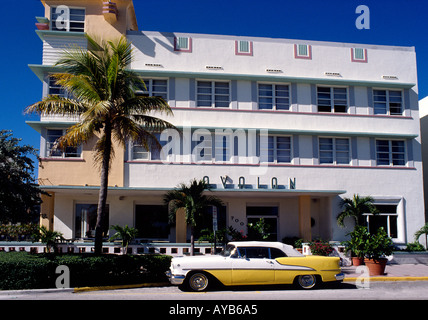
280	129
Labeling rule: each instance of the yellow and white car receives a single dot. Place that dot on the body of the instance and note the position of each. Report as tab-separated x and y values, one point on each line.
254	263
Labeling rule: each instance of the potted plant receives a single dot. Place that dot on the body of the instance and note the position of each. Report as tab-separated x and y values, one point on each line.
357	244
377	247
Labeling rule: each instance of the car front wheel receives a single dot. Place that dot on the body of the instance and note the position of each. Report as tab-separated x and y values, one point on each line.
307	281
198	282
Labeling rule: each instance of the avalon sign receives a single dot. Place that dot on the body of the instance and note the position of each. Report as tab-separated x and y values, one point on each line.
228	183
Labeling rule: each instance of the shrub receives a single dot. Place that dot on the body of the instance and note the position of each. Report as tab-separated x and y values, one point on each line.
320	248
21	270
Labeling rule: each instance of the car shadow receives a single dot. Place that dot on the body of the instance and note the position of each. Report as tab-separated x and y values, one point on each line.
283	287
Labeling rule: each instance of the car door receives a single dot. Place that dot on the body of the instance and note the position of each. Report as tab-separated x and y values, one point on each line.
252	265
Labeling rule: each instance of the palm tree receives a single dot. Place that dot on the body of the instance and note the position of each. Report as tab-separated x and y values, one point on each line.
126	234
104	101
355	208
421	231
193	201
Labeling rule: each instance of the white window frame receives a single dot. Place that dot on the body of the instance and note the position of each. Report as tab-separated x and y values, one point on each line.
68	21
179	41
211	102
53	86
388	216
299	55
52	152
150	92
335	151
354	54
148	154
391	153
266	147
274	96
387	101
332	100
240	44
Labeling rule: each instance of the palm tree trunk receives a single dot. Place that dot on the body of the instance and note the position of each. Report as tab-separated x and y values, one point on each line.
102	198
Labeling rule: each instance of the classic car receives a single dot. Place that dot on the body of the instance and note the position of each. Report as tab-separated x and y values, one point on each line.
254	263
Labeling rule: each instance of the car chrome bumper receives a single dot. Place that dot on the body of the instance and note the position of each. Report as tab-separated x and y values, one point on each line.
339	276
175	279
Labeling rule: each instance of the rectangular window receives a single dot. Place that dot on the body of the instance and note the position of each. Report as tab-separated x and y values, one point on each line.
139	151
334	151
64	18
387	102
358	55
202	150
275	149
302	51
386	218
154	88
332	99
55	89
270	216
390	153
274	97
213	94
151	221
183	44
244	48
52	149
86	219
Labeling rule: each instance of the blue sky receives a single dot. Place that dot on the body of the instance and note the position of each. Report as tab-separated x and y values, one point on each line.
393	22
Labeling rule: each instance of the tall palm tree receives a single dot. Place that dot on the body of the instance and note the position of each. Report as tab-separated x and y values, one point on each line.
355	208
193	201
102	92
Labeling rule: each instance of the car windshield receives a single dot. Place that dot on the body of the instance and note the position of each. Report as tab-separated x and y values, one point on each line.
226	252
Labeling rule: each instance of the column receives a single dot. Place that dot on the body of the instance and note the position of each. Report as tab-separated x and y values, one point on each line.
305	218
180	226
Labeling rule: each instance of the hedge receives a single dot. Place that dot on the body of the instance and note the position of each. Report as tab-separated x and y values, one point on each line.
22	270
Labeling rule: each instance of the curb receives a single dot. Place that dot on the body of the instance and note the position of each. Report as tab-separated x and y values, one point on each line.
124	286
354	279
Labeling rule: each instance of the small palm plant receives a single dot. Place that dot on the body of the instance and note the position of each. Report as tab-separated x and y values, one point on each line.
49	237
421	231
355	208
126	234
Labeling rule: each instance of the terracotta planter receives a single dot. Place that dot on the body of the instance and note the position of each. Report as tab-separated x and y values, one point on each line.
356	261
376	266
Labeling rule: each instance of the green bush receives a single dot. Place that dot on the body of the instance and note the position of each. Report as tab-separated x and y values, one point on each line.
21	270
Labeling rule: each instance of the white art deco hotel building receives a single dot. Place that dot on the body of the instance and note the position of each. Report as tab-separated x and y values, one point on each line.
281	129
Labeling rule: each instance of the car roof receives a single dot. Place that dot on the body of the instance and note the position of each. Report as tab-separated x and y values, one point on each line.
287	249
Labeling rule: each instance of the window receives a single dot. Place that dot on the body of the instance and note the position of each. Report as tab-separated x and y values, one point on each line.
275	149
183	44
151	221
302	51
67	19
213	94
390	153
222	147
86	219
386	218
387	102
154	88
52	150
334	151
139	152
358	55
202	150
274	97
270	216
332	99
54	88
244	48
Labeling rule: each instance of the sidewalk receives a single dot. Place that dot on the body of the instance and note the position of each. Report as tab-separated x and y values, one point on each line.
393	272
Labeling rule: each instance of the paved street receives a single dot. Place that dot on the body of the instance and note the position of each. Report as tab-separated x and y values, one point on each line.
389	290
